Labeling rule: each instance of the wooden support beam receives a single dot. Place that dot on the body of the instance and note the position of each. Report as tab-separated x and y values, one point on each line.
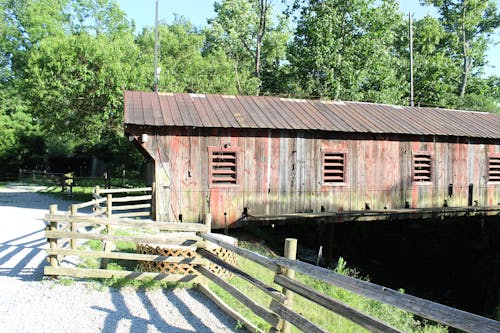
290	252
108	274
124	190
52	242
93	220
166	239
127	256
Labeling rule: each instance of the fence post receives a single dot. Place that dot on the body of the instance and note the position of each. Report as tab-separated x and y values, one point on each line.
208	222
107	244
109	205
96	196
73	212
153	201
290	253
53	241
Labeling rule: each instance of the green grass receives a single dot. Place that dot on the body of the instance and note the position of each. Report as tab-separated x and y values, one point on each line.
395	317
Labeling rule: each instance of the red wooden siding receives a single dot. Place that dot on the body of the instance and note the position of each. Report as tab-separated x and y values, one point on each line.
282	171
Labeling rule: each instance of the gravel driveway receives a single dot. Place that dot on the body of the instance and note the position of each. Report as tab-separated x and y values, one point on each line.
30	304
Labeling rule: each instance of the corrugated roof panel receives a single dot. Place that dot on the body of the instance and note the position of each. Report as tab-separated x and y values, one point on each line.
270	117
253	112
277	105
166	109
157	114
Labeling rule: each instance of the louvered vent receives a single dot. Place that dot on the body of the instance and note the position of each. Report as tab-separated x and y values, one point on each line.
494	168
333	167
422	169
223	170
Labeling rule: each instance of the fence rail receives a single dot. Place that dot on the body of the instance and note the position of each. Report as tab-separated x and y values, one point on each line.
279	314
436	312
70	229
140	205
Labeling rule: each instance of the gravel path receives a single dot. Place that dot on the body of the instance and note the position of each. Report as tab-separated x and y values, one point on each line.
30	304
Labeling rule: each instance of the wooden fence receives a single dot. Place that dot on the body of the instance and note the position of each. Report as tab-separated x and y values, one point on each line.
120	202
67	233
279	312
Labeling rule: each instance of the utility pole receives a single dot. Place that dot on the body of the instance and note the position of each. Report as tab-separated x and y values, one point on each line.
410	19
157	70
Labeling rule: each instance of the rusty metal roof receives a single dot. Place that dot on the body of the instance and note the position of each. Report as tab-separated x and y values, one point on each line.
215	111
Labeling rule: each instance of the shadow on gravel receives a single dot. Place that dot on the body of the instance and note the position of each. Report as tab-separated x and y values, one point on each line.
25	251
138	324
186	312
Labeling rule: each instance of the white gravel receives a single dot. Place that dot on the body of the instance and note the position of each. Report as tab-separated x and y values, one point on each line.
30	304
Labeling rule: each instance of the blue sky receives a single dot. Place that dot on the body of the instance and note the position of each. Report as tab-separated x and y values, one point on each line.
198	11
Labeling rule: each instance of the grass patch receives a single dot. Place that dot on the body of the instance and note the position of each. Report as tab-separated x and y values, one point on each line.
393	316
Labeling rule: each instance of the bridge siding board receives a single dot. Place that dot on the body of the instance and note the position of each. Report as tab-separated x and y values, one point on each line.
379	172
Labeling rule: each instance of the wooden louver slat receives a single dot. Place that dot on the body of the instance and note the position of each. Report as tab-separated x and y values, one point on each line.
494	169
333	167
223	167
422	167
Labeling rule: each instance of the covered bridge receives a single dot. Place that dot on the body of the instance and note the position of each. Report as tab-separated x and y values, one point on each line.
259	155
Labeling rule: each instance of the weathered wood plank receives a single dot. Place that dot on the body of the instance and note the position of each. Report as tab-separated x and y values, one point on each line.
275	294
127	207
165	239
127	256
295	319
132	214
132	198
228	310
124	190
91	220
370	323
437	312
258	258
259	310
108	274
89	203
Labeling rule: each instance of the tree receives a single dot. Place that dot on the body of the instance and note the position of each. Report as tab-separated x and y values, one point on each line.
184	65
247	33
345	50
434	71
470	24
75	84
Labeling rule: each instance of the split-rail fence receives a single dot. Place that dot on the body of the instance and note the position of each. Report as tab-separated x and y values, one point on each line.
65	231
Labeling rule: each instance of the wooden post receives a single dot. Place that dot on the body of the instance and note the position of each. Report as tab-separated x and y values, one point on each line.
73	212
107	243
290	253
109	205
208	222
96	196
153	201
52	241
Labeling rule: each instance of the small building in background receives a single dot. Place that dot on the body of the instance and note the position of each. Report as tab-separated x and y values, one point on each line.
259	155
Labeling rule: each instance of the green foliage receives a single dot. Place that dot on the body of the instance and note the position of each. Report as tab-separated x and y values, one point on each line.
64	64
184	67
75	85
469	26
344	50
249	35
